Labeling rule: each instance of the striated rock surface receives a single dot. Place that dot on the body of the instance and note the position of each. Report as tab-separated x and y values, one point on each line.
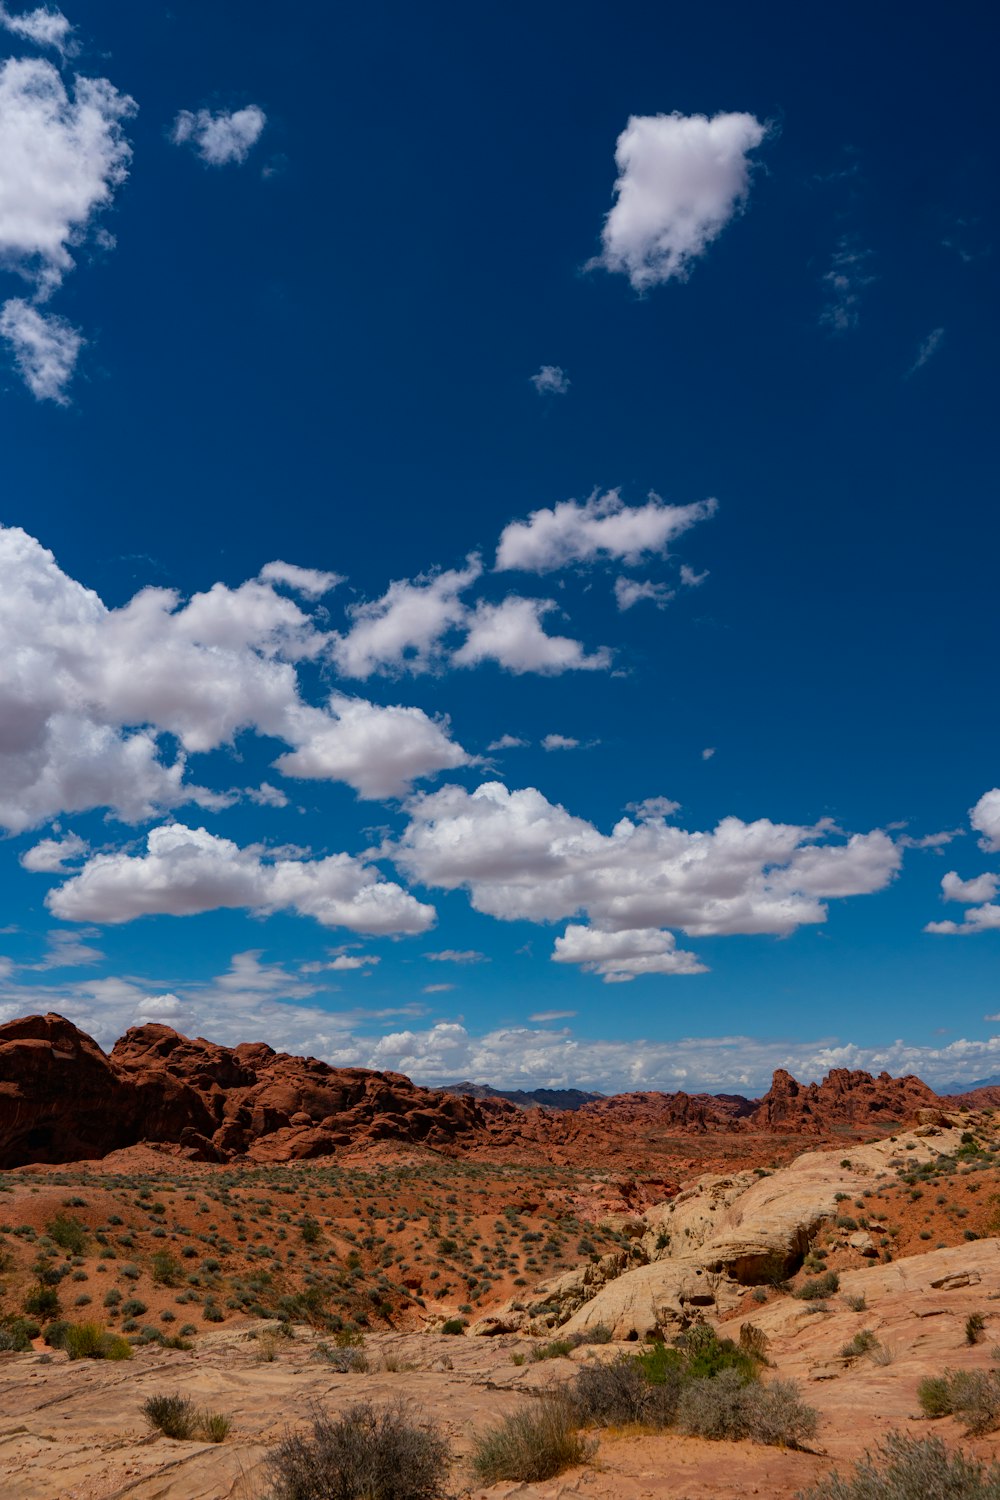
696	1254
63	1099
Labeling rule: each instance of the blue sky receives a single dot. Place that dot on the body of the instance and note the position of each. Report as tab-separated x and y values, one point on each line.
622	391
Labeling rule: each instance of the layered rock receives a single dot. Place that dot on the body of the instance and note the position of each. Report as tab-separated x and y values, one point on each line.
845	1097
697	1254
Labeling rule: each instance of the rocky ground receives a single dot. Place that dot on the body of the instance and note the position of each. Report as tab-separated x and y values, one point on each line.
74	1430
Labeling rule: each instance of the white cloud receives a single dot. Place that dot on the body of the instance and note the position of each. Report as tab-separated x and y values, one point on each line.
843	285
309	581
67	950
378	751
602	527
189	870
681	178
550	380
708	752
928	348
346	962
458	956
985	819
560	742
621	956
45	348
654	808
631	591
511	634
51	856
690	579
436	989
61	158
404	630
45	26
86	691
980	888
552	1015
267	795
521	857
508	742
977	919
221	138
929	840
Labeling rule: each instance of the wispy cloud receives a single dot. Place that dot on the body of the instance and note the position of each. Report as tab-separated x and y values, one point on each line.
550	380
843	285
222	138
927	350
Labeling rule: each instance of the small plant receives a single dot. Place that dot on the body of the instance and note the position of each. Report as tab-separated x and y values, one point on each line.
214	1426
975	1327
862	1343
823	1286
903	1468
856	1304
972	1395
68	1233
175	1416
454	1326
42	1302
530	1445
381	1453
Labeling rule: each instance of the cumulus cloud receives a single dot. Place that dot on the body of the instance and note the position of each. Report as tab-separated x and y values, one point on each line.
621	956
404	630
189	870
984	917
45	348
378	751
508	742
309	581
550	380
45	26
980	888
511	634
51	856
603	527
631	591
523	858
681	178
62	154
843	285
985	819
560	742
86	691
221	138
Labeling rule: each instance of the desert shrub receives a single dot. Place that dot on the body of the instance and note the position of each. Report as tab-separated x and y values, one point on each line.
904	1468
822	1286
214	1426
345	1361
175	1416
533	1444
17	1333
975	1326
166	1268
369	1453
91	1341
706	1355
68	1233
454	1325
42	1302
856	1304
619	1393
934	1395
971	1395
56	1332
863	1341
727	1406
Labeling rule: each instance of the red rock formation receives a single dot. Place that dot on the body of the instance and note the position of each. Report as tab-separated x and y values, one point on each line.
843	1098
63	1099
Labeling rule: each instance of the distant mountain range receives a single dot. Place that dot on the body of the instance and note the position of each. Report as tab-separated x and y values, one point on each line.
966	1088
527	1098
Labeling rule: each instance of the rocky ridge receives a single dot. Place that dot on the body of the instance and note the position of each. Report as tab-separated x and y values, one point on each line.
63	1099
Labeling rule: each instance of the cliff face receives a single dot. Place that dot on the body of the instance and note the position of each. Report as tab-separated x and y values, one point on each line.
63	1099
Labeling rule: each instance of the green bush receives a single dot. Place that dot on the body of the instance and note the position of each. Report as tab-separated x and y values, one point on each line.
68	1233
368	1453
530	1445
91	1341
454	1325
620	1393
175	1416
905	1468
823	1286
42	1302
16	1333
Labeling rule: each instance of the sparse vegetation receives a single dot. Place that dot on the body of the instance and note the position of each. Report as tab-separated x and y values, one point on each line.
530	1445
971	1395
906	1468
369	1453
